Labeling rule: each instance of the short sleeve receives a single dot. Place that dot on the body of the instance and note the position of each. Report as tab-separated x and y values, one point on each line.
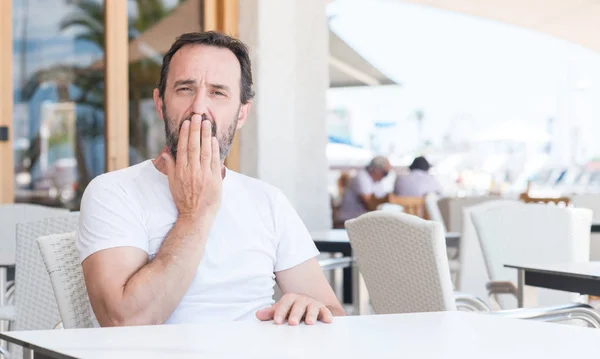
109	218
295	245
364	184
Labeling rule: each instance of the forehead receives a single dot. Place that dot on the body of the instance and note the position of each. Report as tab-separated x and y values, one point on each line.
205	63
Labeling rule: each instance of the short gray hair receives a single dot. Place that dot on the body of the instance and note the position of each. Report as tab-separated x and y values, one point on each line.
378	163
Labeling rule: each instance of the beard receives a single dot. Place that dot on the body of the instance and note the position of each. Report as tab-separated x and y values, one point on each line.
224	140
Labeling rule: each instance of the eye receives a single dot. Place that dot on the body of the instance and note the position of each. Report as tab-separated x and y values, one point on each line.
184	89
218	93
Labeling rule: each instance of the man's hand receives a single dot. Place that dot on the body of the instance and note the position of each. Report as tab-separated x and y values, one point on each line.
195	177
294	308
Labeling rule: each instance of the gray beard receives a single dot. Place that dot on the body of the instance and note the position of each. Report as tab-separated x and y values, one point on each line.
224	141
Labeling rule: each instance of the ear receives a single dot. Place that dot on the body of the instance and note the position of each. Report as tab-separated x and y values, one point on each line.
158	104
243	115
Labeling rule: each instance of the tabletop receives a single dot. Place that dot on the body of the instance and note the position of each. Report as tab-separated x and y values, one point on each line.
587	270
341	236
422	335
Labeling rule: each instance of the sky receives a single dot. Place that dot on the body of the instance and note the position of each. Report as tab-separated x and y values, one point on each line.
468	75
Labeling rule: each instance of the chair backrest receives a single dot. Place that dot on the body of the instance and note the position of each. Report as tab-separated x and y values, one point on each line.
403	261
11	214
62	263
433	209
473	275
411	205
533	234
35	304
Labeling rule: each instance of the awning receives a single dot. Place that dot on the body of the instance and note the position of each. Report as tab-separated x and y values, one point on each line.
571	20
346	66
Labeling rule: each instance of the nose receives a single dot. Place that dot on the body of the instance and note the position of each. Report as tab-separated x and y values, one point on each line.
201	103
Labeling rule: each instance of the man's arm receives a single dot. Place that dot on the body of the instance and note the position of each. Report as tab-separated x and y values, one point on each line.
371	202
124	288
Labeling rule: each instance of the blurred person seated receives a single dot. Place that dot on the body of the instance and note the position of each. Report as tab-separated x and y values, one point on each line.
359	196
181	238
419	182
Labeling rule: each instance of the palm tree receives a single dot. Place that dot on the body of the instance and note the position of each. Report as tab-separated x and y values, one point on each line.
88	18
143	74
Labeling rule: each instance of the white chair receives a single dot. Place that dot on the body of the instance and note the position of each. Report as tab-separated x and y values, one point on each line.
474	276
62	263
403	261
34	302
10	215
433	209
590	201
532	234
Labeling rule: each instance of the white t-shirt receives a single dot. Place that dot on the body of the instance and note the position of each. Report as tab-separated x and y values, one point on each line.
256	233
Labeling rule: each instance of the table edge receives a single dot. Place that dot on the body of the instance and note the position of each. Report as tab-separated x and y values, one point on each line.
545	271
53	354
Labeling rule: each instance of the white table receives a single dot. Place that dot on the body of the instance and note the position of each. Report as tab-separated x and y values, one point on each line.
428	335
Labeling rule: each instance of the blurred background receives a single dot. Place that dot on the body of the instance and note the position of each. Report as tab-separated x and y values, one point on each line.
493	104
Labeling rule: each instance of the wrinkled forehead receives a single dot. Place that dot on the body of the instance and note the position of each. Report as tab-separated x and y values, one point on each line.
205	64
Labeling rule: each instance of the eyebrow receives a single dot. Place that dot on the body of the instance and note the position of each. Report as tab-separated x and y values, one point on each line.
184	82
220	87
188	82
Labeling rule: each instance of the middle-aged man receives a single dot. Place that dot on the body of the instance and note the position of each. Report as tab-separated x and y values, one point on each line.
181	238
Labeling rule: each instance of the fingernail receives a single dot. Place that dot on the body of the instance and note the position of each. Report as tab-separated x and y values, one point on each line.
196	119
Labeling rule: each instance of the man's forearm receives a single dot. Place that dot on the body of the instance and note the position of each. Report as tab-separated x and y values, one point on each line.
153	292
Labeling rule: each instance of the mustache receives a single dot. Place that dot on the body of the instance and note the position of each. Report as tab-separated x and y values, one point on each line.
213	125
173	136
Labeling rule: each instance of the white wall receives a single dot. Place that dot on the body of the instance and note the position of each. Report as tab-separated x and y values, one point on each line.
284	140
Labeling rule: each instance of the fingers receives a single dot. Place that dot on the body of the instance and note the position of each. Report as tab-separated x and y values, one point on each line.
169	163
182	145
325	315
282	308
295	308
206	147
193	146
265	314
216	156
298	311
312	313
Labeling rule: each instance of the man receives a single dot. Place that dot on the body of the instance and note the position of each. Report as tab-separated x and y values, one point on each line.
419	182
182	239
359	196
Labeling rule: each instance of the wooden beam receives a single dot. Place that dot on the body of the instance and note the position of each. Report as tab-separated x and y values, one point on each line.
7	172
117	85
222	16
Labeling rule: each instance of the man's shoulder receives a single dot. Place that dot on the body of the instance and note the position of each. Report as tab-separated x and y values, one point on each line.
119	180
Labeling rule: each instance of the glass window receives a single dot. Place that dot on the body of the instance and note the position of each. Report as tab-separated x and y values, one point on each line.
58	82
153	26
